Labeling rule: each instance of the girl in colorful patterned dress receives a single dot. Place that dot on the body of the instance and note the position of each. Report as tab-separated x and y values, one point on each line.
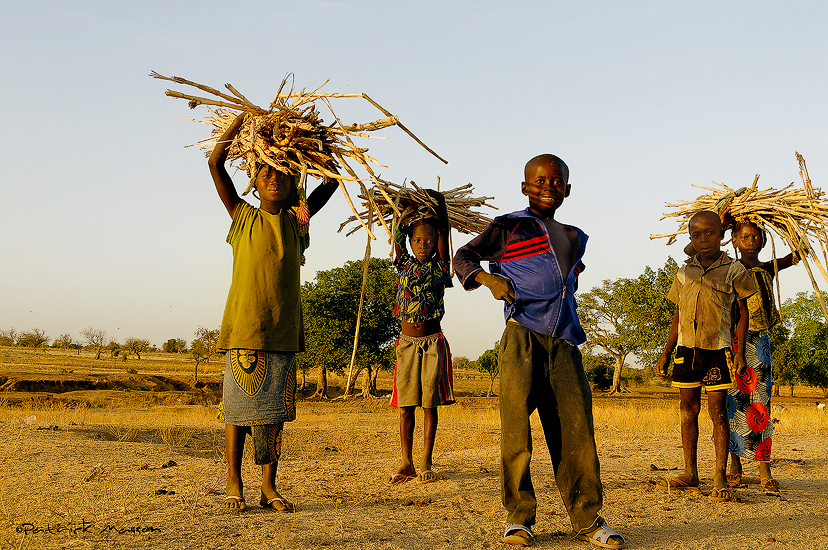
748	404
423	375
261	330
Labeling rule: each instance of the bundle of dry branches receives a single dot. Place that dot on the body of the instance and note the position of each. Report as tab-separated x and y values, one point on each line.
798	216
291	136
413	204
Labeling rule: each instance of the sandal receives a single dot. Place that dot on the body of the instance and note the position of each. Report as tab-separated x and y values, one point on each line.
235	503
734	480
517	535
277	504
605	537
396	479
720	495
427	476
675	485
769	484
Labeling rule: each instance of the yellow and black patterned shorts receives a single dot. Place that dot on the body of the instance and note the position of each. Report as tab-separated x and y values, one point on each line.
696	367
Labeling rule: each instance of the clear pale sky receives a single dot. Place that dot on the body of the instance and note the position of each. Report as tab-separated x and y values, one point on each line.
108	221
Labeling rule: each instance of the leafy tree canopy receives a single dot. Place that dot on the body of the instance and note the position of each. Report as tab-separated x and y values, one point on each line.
625	316
330	304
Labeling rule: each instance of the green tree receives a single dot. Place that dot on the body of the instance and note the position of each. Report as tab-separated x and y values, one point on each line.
8	337
629	316
136	346
203	348
329	306
95	339
115	349
649	310
598	370
462	362
783	359
175	345
488	363
34	338
805	355
64	341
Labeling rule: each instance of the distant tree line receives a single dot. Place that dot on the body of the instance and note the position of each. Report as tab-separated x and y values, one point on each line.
622	318
632	317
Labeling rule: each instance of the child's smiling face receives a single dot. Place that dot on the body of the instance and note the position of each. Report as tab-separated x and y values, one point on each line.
546	186
423	242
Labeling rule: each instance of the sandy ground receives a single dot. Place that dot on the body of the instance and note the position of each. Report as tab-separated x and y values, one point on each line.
79	487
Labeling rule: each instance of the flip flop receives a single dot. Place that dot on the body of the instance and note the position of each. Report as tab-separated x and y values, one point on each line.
601	537
734	480
396	479
675	485
720	495
769	484
277	504
427	476
517	537
239	503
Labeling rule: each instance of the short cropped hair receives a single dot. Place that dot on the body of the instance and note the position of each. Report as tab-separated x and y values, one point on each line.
547	157
705	214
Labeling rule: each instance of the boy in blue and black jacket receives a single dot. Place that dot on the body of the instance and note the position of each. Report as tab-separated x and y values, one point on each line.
534	263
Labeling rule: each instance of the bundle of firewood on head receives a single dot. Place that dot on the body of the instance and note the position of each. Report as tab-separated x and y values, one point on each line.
412	204
798	216
290	136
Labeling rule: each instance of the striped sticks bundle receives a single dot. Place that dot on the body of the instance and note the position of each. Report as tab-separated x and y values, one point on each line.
290	136
798	216
412	204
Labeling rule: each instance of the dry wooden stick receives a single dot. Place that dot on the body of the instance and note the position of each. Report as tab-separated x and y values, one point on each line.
412	204
798	216
291	136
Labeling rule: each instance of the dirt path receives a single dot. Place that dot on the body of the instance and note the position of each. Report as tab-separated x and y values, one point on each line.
78	487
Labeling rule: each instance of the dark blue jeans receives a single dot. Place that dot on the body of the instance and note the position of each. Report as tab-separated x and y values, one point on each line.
546	374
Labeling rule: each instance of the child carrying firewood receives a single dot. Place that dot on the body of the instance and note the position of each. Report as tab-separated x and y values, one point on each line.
705	291
422	375
261	330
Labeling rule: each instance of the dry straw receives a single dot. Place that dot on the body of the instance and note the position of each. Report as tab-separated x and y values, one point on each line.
412	204
798	216
290	135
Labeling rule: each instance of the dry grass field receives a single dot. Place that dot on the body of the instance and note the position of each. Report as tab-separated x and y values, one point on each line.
138	463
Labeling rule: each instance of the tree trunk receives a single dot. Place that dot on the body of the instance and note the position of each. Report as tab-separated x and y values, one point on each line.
491	385
616	375
792	387
374	380
350	383
303	383
776	390
195	373
366	382
321	383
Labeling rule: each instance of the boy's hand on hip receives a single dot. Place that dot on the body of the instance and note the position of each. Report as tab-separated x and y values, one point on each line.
501	287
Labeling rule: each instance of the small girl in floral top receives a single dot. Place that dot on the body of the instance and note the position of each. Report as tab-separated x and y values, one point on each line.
422	376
